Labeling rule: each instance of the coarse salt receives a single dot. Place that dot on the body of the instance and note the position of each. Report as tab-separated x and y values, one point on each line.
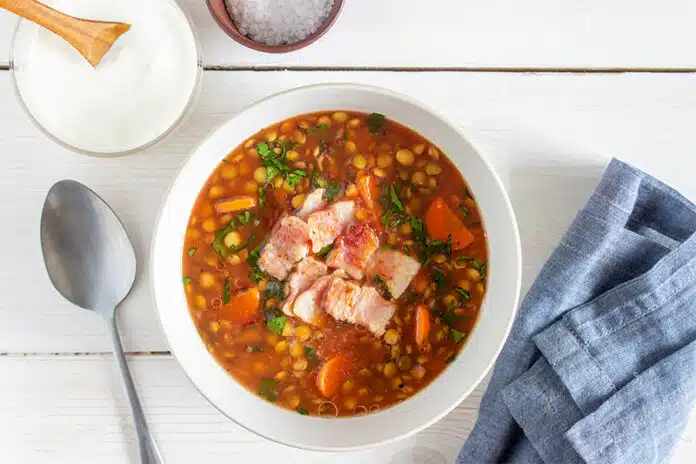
278	22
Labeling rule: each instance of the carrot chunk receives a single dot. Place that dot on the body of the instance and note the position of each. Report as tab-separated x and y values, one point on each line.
243	308
231	205
422	326
369	190
442	223
332	375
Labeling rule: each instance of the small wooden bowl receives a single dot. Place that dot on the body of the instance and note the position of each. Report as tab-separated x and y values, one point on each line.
222	18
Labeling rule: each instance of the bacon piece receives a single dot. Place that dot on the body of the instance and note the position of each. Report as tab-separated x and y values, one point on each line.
354	249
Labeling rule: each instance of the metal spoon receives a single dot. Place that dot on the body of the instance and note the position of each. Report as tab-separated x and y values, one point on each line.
91	262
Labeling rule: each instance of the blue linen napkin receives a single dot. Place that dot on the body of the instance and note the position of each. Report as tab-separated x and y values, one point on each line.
600	365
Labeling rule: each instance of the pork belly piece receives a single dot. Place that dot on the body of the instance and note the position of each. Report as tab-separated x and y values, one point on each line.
354	249
313	202
306	273
308	305
373	311
288	244
340	299
327	224
395	268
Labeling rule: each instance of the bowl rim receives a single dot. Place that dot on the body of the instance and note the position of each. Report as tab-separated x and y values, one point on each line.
218	10
176	124
516	267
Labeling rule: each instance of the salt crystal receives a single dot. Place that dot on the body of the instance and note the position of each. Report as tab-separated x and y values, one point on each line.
278	22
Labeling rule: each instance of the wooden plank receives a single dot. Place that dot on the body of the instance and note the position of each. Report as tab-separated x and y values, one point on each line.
469	34
72	409
83	417
549	137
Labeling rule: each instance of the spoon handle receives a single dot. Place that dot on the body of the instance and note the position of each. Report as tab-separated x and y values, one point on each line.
149	454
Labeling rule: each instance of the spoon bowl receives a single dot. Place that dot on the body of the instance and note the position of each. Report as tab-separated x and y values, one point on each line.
91	262
88	255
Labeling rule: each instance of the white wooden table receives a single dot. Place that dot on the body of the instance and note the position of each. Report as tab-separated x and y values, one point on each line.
549	90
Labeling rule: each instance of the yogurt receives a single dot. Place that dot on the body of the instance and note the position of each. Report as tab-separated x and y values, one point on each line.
136	94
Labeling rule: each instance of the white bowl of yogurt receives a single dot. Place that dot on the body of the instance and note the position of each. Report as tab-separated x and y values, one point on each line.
139	93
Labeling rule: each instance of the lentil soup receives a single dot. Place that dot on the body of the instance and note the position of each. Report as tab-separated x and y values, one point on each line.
334	263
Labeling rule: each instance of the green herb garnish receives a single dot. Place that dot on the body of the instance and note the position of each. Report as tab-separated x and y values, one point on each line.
274	289
295	177
382	287
406	249
476	264
457	335
226	291
376	122
464	211
317	180
435	247
244	217
324	252
464	296
262	194
439	279
332	192
302	411
277	324
219	241
191	251
316	128
186	280
395	200
267	389
310	352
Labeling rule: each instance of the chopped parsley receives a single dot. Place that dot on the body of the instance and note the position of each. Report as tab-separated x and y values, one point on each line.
302	411
332	191
268	389
382	287
219	241
277	164
394	214
318	127
277	324
191	251
295	177
255	273
244	217
435	247
186	280
226	291
395	200
376	122
253	349
324	252
406	249
274	289
310	352
262	195
457	335
439	279
476	264
317	180
464	211
464	296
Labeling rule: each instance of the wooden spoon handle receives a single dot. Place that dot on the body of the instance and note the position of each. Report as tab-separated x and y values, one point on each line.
91	38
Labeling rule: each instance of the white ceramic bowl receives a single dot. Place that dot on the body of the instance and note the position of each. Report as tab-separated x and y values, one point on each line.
424	408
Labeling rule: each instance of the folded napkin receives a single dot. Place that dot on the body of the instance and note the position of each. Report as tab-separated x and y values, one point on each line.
600	365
